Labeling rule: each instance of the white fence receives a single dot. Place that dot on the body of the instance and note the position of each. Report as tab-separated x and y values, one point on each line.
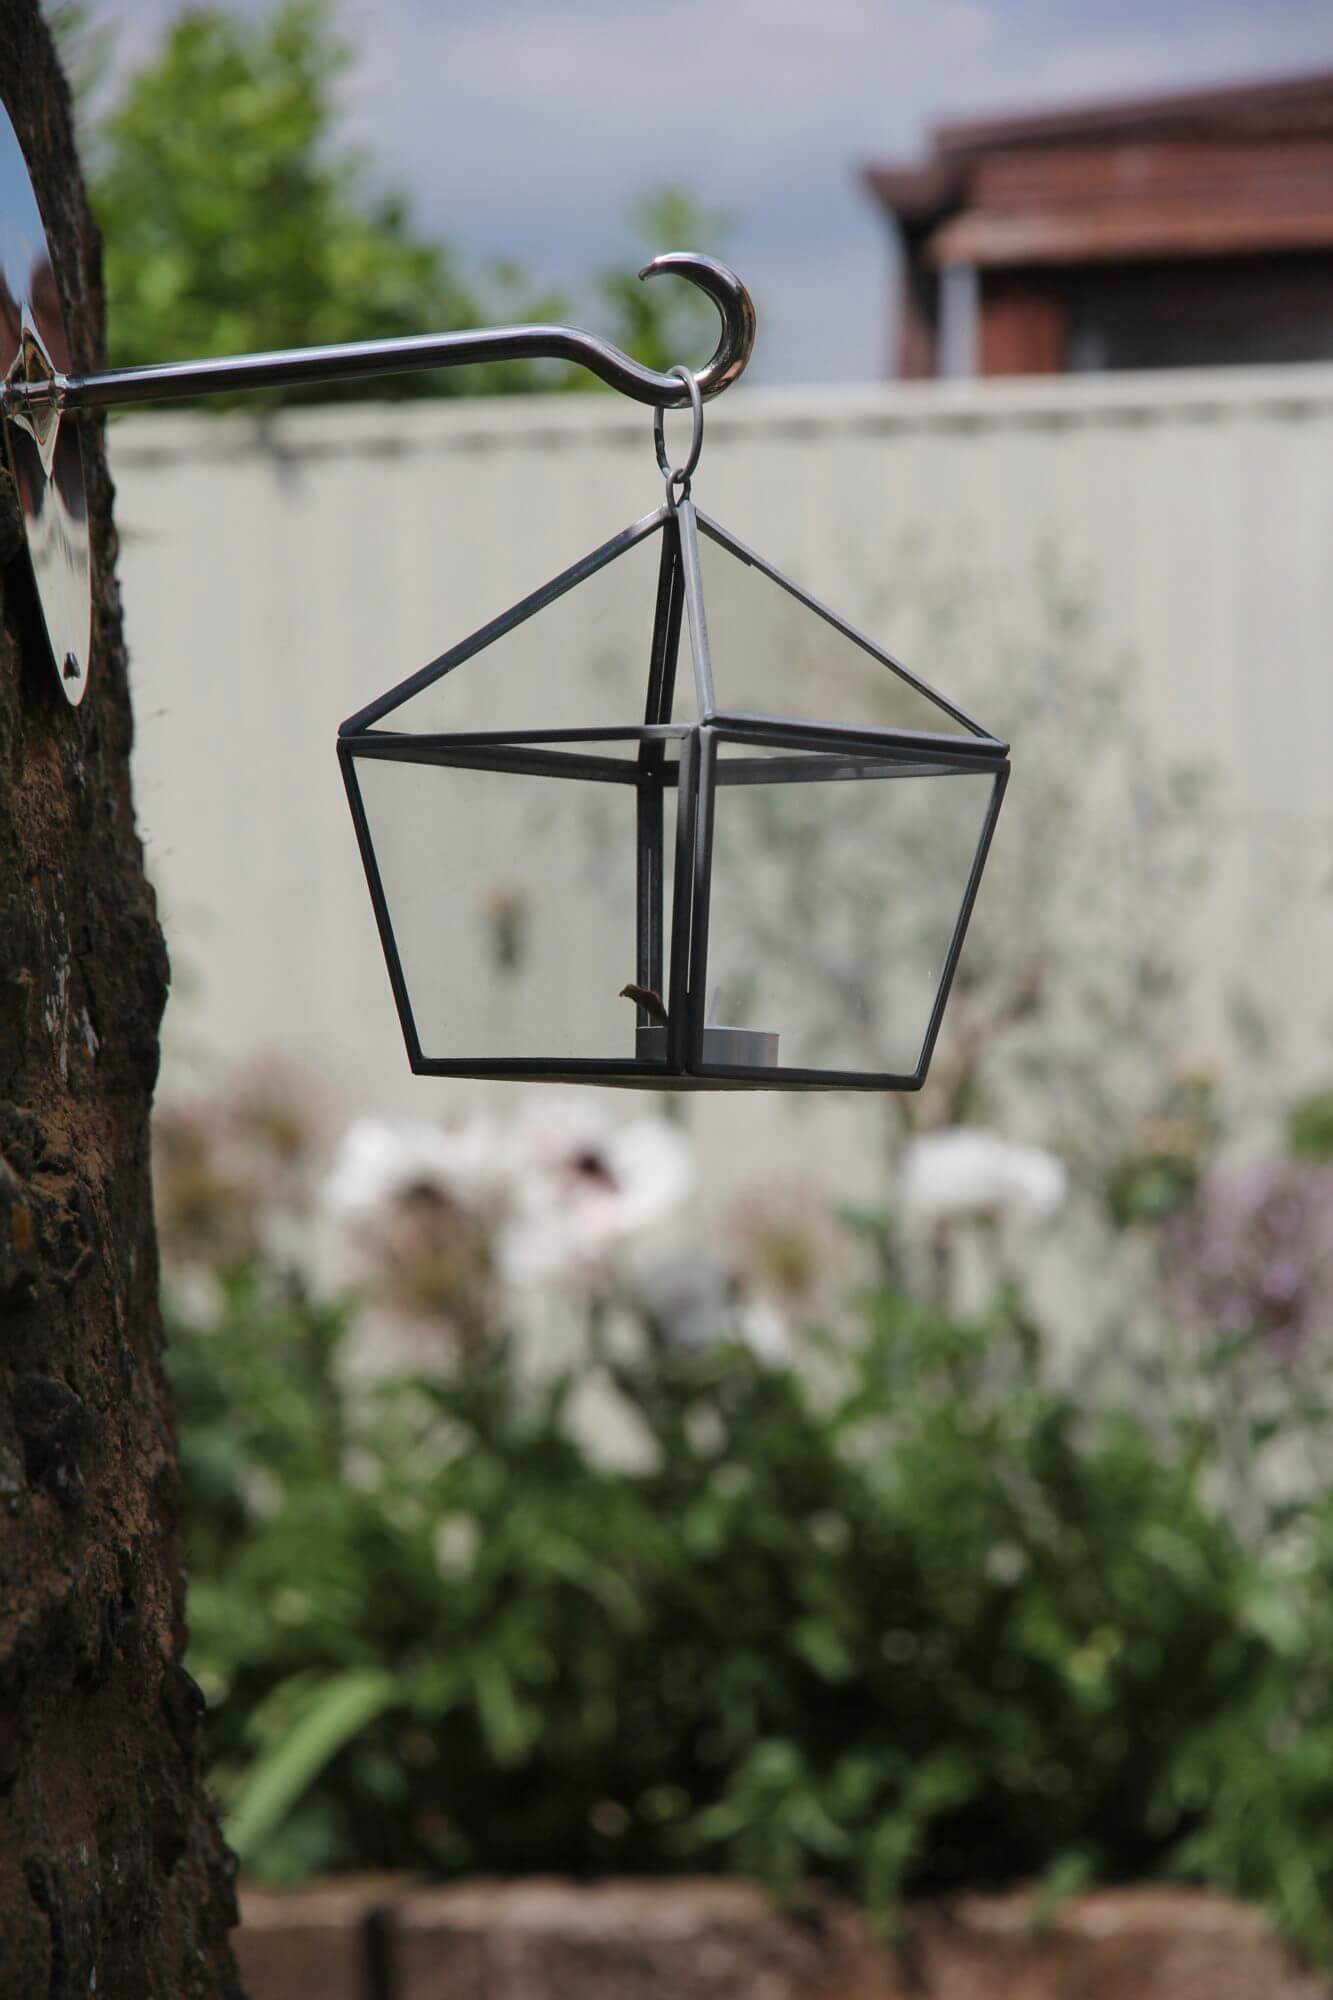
277	578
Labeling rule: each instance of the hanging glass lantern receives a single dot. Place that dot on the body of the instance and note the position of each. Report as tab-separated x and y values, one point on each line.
731	892
726	894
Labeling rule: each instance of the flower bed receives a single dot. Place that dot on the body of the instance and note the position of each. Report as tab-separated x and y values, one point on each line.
768	1567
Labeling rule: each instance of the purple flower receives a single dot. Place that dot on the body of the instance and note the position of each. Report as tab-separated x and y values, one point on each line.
1253	1253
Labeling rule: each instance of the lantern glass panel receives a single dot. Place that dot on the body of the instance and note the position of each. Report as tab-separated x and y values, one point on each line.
514	879
576	659
837	883
775	653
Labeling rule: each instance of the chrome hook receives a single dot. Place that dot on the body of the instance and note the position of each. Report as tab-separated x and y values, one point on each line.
736	307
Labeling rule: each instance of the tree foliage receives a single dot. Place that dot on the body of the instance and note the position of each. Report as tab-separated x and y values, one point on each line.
236	218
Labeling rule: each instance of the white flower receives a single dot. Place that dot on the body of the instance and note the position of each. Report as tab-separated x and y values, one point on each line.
378	1162
584	1189
962	1172
690	1300
261	1492
763	1327
457	1539
694	1303
560	1190
361	1469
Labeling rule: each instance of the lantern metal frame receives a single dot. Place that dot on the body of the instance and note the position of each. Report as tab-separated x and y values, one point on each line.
568	752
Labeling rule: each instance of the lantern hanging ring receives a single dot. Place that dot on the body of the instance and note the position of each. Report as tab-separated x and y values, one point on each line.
678	477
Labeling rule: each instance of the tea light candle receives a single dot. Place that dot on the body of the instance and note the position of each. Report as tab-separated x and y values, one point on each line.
735	1048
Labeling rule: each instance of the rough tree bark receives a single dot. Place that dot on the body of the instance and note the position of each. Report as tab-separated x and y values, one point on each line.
113	1878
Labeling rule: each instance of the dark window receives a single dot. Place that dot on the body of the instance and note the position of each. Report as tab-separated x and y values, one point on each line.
1203	314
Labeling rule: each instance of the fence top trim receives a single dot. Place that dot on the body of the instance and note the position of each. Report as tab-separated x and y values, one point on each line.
562	422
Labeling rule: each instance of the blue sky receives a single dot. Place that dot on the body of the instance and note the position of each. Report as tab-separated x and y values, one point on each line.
525	128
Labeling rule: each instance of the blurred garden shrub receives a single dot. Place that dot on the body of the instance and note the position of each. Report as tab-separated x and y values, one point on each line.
870	1598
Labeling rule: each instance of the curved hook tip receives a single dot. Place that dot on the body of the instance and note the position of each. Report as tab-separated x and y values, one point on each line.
735	306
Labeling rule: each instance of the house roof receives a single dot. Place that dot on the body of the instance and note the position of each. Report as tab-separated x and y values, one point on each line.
1206	172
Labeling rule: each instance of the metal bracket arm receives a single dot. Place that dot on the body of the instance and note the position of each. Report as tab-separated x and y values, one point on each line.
25	394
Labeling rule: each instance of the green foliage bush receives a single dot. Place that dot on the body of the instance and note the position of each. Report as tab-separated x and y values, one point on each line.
1310	1127
905	1618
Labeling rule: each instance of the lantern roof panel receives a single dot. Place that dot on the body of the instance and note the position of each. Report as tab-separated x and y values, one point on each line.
774	651
573	654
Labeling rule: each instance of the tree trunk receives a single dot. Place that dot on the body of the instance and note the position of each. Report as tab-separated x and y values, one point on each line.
113	1878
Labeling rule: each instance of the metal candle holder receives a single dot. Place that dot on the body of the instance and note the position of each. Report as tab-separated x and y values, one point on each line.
710	790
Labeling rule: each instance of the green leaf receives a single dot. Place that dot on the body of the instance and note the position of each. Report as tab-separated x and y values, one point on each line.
1066	1876
822	1648
339	1710
511	1726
